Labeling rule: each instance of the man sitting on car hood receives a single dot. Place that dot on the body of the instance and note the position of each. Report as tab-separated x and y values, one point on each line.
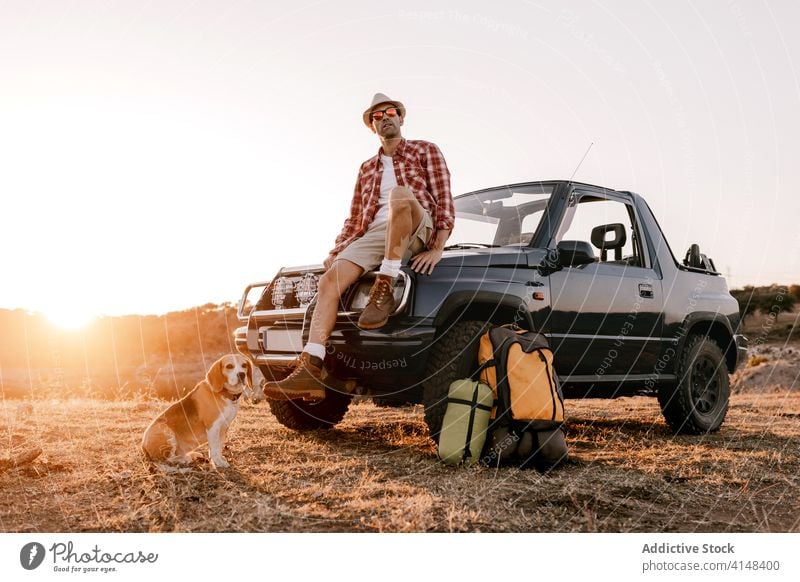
402	209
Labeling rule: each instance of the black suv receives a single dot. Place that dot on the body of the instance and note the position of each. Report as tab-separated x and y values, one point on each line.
587	266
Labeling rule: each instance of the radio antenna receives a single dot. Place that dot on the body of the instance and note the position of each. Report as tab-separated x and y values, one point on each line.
579	163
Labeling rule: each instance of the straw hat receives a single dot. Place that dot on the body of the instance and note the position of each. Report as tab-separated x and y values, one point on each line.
380	99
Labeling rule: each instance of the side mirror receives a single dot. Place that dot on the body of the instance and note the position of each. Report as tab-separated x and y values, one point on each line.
573	253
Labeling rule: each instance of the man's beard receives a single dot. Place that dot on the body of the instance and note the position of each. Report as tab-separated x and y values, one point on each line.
390	132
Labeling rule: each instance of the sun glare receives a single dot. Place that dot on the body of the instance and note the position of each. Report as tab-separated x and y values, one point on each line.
69	319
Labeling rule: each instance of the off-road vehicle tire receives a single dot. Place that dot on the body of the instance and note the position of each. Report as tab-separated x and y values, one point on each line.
698	403
303	415
454	355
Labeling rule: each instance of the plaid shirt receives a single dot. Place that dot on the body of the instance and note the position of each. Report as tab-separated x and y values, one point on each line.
418	165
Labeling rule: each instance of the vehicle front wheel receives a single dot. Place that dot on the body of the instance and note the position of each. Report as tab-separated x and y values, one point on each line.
303	415
698	403
453	355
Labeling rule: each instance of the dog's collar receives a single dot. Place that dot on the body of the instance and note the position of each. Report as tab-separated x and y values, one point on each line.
230	395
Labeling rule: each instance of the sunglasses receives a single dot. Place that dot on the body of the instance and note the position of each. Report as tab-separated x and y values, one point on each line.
378	114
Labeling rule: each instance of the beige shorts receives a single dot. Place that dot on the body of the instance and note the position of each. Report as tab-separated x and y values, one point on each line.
368	250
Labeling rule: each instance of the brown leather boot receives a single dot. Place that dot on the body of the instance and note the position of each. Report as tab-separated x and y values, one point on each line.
381	304
304	382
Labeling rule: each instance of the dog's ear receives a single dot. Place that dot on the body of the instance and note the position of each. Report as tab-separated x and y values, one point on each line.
215	377
249	366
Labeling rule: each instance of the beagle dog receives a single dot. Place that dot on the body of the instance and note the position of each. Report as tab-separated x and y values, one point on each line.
202	416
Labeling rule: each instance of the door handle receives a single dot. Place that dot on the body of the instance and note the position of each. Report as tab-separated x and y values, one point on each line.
645	290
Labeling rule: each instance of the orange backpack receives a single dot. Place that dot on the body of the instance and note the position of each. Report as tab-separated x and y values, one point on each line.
529	408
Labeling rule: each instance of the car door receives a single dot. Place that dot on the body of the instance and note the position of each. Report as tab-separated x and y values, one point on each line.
606	316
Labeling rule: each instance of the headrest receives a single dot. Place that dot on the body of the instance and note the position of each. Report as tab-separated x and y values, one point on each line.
599	236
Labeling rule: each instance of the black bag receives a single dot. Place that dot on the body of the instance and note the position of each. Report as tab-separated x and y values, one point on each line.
527	421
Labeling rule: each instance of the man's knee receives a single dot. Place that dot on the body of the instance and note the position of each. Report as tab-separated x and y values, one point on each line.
401	199
399	193
336	280
329	285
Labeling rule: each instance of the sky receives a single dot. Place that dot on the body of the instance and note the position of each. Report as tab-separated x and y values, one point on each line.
160	155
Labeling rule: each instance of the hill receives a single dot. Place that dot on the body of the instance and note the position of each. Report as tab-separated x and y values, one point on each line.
112	357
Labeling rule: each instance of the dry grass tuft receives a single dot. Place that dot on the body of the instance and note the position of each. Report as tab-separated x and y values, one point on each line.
754	361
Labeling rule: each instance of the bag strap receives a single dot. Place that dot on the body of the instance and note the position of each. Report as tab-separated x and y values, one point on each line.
487	364
550	381
503	389
473	405
470	403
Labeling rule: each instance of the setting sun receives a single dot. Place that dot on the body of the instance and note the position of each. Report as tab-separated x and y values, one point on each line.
69	319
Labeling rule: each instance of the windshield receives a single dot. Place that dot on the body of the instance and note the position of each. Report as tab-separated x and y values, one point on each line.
507	216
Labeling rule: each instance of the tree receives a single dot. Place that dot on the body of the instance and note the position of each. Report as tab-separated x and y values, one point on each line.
748	302
776	299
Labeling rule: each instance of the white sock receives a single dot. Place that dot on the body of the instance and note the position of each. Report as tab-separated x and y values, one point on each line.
390	268
317	350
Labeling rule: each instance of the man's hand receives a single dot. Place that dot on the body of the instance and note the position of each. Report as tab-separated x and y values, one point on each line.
425	261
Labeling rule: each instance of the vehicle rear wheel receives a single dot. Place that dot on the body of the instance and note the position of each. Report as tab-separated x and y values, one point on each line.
698	403
453	355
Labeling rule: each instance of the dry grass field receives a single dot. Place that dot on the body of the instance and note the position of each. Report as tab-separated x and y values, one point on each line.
377	471
84	398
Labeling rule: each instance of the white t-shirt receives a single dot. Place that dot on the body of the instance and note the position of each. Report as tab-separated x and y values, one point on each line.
388	181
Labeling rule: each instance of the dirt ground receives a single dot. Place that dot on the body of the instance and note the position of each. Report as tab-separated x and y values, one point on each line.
377	471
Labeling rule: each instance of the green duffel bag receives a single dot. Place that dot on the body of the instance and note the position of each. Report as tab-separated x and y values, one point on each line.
466	421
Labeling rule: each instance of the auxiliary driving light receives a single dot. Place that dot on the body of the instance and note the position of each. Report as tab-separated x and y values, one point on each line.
281	289
306	288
